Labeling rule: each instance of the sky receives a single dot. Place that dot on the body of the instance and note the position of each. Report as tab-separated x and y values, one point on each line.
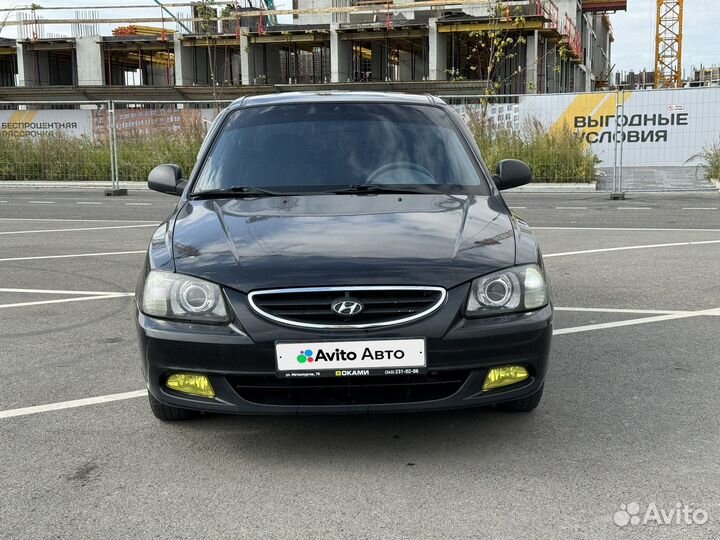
634	47
634	30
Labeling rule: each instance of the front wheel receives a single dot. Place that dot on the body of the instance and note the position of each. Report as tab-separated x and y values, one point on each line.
525	404
167	413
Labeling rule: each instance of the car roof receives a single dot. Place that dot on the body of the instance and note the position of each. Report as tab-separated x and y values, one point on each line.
335	96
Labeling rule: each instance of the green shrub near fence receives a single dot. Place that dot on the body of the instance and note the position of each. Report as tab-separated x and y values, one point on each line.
556	155
63	158
54	157
710	157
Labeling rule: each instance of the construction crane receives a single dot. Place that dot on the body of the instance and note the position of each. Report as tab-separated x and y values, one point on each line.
668	44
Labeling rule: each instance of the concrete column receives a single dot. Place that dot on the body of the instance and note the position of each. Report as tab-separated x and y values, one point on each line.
26	76
531	66
183	63
245	63
437	53
339	57
89	54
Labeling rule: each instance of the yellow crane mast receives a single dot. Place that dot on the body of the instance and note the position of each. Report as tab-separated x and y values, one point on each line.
668	44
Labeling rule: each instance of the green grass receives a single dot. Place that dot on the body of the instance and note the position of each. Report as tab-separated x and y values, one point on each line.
53	158
63	158
557	156
710	157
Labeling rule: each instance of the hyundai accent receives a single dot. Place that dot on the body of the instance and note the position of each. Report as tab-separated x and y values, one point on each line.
341	253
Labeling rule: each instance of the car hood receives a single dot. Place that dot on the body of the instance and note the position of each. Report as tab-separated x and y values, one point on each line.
337	240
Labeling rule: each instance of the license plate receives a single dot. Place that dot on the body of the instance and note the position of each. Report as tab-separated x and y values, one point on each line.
351	358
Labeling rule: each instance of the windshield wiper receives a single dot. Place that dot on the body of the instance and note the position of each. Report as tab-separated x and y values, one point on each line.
237	191
379	188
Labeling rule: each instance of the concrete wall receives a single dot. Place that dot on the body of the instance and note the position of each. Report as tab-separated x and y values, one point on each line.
311	18
89	61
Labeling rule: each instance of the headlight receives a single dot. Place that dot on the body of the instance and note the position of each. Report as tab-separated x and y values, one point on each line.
176	296
521	288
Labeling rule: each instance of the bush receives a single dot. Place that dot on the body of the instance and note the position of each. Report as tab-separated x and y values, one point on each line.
557	155
710	157
137	155
60	157
53	157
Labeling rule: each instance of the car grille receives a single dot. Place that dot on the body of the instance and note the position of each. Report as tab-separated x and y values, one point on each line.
270	390
381	306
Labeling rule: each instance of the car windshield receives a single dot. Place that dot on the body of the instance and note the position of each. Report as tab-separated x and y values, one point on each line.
326	146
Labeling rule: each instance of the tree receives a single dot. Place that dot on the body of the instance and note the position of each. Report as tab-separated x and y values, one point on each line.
491	49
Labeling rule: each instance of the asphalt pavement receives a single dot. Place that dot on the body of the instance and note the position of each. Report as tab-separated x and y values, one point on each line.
630	412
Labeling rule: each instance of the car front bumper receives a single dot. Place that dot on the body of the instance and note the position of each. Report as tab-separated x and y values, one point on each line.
242	368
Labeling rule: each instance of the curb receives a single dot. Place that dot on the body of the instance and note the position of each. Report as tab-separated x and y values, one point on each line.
590	187
133	186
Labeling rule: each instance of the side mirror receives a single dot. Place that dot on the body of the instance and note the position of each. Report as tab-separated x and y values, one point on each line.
167	179
512	173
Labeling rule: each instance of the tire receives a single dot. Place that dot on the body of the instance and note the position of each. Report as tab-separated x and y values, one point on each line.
166	413
525	404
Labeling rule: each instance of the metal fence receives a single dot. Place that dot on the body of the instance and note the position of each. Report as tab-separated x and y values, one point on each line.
148	133
644	140
47	140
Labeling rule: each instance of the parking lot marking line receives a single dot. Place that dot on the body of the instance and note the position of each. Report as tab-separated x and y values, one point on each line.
77	229
138	204
12	413
633	322
41	202
620	310
619	229
627	248
571	208
55	291
65	300
42	257
79	220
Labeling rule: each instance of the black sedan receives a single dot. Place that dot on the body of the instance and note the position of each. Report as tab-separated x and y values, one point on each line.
341	253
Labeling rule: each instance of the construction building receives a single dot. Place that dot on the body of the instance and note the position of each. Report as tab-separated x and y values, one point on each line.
704	76
554	46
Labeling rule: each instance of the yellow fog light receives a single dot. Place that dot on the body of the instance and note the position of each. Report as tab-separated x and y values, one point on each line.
504	376
191	383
